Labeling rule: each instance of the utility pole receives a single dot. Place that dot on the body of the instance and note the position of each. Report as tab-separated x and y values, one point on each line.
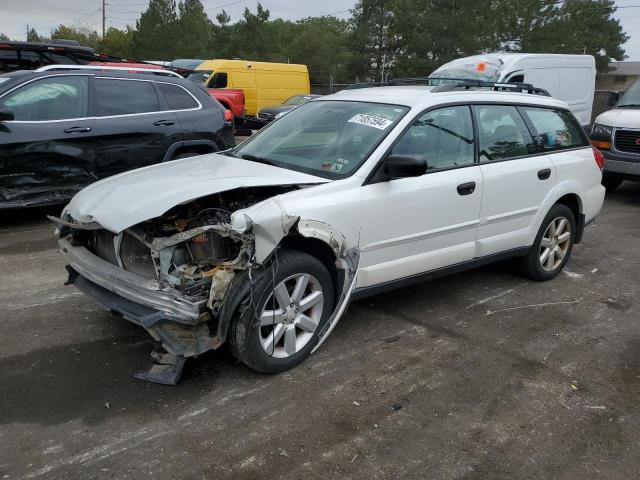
104	16
27	38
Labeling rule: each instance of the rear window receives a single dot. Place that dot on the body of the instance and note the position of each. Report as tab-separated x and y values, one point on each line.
502	132
554	129
176	97
125	97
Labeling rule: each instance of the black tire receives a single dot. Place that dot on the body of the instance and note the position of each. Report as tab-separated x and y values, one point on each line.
611	183
245	332
531	265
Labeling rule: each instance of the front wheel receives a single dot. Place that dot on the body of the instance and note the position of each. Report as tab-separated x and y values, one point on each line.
277	325
552	246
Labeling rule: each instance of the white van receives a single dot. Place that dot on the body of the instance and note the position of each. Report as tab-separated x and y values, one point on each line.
570	78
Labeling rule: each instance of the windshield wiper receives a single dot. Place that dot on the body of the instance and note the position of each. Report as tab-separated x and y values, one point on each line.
629	105
254	158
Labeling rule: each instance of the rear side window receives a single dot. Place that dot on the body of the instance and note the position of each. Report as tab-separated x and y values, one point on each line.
554	129
444	137
53	98
124	97
176	97
502	133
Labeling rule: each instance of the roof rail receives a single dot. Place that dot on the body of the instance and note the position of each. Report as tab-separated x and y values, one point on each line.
152	71
466	84
453	84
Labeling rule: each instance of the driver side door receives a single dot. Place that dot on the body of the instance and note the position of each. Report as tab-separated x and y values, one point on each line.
418	224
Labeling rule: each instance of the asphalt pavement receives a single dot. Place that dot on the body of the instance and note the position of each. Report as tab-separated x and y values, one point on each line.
481	375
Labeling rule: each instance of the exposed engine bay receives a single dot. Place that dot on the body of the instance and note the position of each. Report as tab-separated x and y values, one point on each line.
182	275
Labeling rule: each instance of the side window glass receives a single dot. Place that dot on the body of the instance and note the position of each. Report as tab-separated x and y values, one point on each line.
53	98
124	97
502	133
444	137
554	129
219	80
177	98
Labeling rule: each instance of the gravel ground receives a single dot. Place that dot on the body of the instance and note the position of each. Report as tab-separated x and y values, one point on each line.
479	375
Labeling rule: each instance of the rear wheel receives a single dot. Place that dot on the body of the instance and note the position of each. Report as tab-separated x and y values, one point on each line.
277	325
611	183
553	245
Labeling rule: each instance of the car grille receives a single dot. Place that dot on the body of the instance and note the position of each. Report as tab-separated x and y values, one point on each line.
628	141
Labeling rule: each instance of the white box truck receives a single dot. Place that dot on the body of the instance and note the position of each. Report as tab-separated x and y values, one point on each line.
570	78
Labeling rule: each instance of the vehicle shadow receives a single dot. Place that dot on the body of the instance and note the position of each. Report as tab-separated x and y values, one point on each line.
23	217
93	381
628	192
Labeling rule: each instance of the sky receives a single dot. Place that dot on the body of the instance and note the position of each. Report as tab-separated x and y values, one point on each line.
44	15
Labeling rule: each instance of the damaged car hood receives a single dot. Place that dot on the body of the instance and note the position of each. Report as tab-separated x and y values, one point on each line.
124	200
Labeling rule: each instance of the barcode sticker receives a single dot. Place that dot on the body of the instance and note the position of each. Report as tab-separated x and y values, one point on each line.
370	121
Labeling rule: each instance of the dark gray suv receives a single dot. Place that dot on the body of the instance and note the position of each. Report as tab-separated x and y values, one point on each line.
63	127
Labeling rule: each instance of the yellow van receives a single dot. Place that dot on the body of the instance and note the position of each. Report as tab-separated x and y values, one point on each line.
264	84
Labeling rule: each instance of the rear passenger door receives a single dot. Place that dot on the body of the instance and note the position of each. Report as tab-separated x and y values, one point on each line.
517	175
134	127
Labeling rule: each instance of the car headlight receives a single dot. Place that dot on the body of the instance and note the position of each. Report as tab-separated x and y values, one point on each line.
279	115
602	131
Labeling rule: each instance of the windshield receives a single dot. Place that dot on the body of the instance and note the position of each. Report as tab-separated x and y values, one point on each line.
200	76
631	97
330	139
481	71
297	100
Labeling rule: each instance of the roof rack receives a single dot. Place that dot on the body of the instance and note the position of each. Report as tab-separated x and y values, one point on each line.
455	83
152	71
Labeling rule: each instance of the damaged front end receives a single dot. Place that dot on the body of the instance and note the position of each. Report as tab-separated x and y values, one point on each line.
182	275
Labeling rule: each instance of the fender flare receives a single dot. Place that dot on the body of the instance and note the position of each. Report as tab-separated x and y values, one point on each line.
567	187
188	143
347	258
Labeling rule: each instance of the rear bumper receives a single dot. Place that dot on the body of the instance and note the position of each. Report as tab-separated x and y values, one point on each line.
119	290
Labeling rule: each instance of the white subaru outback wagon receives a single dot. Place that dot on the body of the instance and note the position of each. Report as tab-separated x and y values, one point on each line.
264	245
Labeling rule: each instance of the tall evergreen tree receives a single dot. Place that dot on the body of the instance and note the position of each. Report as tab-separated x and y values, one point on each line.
194	30
156	32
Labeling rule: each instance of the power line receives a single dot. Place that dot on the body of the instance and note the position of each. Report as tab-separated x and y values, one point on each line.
225	5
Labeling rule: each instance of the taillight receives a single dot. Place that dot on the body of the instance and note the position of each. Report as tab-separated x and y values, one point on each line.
597	154
228	115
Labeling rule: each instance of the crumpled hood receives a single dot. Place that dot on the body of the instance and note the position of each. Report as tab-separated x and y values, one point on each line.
121	201
620	117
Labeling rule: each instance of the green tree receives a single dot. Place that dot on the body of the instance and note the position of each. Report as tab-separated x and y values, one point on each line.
4	38
156	32
32	36
584	26
321	43
195	30
118	42
85	37
371	39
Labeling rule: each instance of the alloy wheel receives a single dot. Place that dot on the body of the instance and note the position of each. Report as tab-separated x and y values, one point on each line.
291	315
555	243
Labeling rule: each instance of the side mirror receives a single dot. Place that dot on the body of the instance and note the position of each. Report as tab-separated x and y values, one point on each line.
613	98
403	166
6	114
